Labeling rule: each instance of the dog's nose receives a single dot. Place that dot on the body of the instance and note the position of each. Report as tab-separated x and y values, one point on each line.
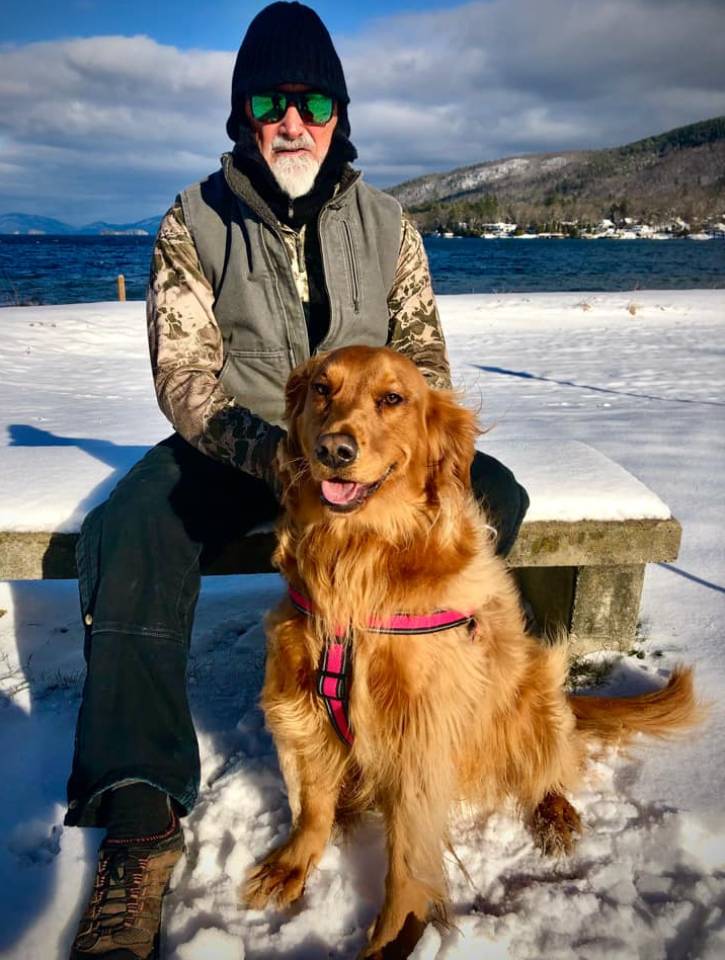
336	449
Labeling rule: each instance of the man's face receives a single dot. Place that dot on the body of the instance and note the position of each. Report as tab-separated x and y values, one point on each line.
293	150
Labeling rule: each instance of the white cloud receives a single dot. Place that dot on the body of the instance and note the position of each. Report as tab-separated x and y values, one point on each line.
513	76
126	122
122	118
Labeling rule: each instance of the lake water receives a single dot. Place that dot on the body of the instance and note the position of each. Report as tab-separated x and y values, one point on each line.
43	269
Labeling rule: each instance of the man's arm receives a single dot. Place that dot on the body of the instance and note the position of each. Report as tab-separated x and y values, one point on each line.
415	327
187	357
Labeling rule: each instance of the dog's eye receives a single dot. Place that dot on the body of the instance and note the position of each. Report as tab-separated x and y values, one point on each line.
391	399
322	389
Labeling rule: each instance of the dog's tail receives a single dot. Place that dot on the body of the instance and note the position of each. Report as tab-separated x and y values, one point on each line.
662	713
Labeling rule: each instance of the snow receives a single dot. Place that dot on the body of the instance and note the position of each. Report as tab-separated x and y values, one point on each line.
568	480
73	480
639	377
211	942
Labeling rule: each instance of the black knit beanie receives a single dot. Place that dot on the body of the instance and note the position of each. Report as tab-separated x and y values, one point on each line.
286	43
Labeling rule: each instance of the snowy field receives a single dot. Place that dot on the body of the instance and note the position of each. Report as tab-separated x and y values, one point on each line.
641	377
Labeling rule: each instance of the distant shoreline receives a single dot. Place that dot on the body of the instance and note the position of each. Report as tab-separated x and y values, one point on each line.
551	236
138	235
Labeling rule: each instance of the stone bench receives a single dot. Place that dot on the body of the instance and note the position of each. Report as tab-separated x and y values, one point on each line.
580	557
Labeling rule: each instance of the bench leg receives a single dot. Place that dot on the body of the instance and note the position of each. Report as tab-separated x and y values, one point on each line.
598	606
606	607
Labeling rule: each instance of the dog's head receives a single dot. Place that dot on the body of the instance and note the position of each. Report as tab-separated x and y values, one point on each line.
364	429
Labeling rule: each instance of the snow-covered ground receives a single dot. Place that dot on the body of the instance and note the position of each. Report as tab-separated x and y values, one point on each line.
641	377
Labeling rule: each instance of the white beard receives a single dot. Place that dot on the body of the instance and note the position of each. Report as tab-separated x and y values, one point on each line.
296	173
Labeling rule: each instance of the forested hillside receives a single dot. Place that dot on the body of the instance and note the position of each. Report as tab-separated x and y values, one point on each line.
680	173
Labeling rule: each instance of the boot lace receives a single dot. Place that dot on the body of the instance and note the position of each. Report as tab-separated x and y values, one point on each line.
118	891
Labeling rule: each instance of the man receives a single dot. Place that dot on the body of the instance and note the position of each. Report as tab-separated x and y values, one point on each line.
283	252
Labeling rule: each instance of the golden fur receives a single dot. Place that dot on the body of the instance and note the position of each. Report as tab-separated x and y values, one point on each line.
437	718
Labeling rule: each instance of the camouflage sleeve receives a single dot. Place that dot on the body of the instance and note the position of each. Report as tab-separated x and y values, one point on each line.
187	356
415	327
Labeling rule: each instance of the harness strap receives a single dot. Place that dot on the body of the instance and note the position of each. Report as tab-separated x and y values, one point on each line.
332	686
398	623
333	678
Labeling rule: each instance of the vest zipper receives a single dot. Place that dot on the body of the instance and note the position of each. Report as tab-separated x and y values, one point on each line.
353	267
332	204
325	282
292	352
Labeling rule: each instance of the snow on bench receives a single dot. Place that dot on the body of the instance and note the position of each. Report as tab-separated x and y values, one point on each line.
580	557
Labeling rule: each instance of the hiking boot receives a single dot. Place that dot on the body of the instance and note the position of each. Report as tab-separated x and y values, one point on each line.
123	917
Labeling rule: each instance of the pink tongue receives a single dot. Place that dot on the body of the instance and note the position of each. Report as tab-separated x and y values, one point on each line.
338	491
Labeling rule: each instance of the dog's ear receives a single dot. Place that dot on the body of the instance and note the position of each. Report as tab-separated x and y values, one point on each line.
295	396
296	389
297	384
289	451
451	434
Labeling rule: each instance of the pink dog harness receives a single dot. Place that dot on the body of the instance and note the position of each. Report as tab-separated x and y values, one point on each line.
333	678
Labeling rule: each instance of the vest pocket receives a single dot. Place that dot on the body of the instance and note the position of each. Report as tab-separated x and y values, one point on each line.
352	271
257	379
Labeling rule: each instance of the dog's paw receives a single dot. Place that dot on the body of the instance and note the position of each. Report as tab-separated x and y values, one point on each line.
555	826
401	946
276	880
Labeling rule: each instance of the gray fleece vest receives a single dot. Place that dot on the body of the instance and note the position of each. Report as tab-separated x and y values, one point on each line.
256	302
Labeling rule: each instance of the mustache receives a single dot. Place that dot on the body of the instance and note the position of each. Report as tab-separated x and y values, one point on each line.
283	144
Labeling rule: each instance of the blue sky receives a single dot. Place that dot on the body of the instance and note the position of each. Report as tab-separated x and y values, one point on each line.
186	24
108	109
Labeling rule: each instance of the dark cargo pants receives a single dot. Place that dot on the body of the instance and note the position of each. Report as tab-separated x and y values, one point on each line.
139	557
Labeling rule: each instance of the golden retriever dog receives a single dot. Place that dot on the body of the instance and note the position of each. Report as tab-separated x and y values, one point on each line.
380	526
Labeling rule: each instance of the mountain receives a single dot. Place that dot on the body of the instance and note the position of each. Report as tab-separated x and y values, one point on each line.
681	172
26	224
149	226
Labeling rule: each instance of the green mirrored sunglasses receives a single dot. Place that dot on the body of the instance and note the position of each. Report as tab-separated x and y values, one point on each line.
313	107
